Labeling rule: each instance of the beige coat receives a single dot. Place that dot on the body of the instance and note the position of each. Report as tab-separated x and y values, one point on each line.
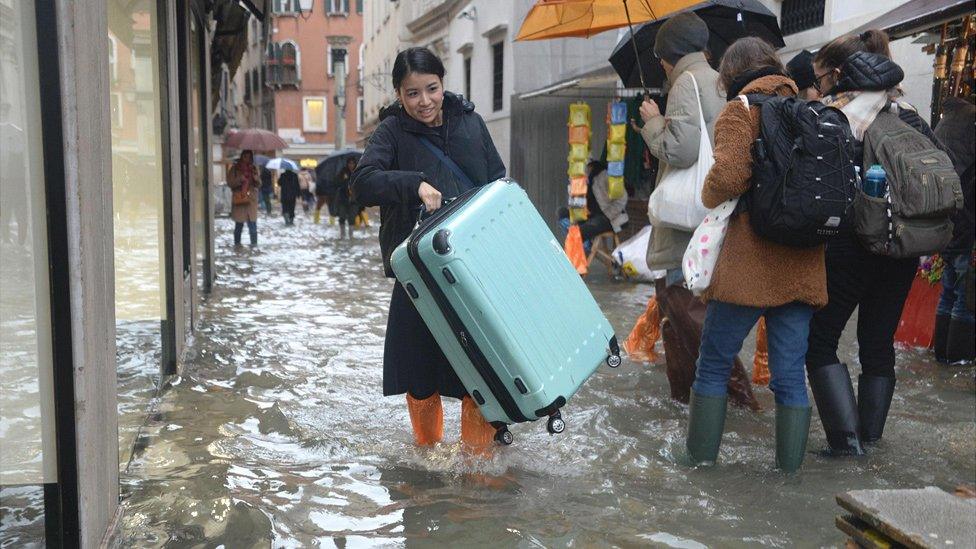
242	213
674	138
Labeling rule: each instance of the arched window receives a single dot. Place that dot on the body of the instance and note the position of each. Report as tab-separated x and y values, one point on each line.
290	63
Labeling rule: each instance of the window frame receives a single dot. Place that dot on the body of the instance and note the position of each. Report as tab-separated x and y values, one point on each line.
498	76
337	8
306	127
360	113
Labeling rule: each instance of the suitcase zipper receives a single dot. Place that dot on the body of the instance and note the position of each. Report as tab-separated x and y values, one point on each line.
471	349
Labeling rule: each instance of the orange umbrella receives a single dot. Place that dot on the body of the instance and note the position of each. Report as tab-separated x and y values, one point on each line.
584	18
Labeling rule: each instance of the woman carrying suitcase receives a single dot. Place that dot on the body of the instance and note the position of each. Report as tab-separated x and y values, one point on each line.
399	173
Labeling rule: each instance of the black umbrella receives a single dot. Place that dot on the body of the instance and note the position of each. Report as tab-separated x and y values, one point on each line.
330	166
727	20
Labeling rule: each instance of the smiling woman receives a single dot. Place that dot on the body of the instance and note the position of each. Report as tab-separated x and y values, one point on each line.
430	145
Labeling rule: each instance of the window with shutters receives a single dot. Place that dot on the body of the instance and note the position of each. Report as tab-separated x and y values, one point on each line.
467	77
283	64
337	7
286	7
800	15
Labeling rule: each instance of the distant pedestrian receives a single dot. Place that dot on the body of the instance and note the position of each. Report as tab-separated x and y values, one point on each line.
343	206
323	198
267	189
955	325
399	173
306	184
244	180
290	191
753	277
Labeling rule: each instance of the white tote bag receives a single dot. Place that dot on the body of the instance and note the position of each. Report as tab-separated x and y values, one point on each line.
676	201
701	256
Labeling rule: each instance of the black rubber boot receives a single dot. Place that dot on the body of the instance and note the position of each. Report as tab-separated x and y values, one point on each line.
873	400
706	422
940	337
960	342
834	395
792	429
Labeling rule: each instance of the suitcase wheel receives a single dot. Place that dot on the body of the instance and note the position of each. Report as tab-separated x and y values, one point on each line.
613	361
556	424
504	436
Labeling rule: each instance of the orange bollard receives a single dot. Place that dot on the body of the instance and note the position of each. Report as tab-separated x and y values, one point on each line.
760	363
647	331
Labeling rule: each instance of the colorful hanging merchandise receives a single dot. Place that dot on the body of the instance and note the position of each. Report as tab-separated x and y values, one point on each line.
579	153
616	148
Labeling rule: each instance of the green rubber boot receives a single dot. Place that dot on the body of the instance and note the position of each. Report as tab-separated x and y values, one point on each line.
792	428
706	422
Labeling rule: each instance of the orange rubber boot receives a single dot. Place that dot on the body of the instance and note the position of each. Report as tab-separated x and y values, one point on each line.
427	418
476	433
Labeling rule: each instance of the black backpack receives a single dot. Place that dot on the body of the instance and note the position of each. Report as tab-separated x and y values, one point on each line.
803	174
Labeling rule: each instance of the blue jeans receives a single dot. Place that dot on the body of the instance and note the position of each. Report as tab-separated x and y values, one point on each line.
952	302
726	327
252	229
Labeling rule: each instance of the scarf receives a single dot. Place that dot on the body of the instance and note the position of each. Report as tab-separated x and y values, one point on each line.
744	79
862	107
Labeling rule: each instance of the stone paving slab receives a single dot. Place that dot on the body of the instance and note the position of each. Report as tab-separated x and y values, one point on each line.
925	517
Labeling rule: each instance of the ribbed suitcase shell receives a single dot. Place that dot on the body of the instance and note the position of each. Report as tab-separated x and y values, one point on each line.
517	323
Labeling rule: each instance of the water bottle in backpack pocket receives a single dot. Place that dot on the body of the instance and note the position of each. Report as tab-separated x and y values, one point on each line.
914	217
803	179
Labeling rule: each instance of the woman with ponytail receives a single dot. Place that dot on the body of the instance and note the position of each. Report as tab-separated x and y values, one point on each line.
855	74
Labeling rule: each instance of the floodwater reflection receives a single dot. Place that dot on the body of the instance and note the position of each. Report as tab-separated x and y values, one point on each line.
277	435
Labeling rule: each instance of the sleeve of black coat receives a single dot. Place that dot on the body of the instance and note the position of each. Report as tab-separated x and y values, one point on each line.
496	168
376	182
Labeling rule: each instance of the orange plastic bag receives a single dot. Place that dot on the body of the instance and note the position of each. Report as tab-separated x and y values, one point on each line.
574	250
640	343
577	186
760	363
917	325
579	134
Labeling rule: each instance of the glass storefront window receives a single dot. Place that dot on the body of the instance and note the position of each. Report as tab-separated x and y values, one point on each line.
133	47
27	441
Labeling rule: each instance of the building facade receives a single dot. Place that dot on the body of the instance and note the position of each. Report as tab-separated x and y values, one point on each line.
303	57
106	112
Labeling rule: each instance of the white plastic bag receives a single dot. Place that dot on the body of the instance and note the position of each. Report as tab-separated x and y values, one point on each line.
701	256
676	201
631	255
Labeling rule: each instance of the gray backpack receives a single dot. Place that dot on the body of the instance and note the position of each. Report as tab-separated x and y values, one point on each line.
915	219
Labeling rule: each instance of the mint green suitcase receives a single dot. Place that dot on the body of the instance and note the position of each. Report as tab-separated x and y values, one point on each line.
508	309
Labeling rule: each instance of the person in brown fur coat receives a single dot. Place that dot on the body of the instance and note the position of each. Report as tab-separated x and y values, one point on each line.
753	276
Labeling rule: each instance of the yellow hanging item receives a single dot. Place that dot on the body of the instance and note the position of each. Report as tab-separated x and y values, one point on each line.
578	151
615	187
577	168
579	114
616	151
618	133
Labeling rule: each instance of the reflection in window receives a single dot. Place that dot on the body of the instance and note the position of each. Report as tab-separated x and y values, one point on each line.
27	444
137	192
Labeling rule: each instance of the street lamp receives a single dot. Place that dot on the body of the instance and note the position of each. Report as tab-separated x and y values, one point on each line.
305	6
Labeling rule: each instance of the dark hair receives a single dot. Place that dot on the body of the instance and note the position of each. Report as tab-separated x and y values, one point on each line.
835	53
416	60
746	55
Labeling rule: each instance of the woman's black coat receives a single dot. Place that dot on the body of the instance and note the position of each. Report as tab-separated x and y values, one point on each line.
396	161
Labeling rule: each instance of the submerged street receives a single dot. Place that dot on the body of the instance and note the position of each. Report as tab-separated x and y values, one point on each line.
277	433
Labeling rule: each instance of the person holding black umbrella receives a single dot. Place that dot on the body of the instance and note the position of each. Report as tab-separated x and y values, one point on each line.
674	139
290	189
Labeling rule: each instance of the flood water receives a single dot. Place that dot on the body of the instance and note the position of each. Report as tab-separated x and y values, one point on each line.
277	434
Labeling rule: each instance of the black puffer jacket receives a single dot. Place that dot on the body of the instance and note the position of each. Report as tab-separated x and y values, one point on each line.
872	72
396	161
957	131
865	71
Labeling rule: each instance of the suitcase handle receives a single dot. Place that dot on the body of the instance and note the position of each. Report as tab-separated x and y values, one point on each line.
422	209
